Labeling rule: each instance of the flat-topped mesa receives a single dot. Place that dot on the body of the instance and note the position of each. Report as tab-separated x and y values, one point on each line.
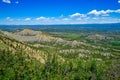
28	32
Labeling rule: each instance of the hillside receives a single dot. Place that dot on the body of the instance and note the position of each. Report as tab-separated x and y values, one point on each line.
10	44
30	54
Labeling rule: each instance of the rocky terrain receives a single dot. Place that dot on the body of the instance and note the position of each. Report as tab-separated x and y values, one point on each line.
10	44
99	37
50	55
28	35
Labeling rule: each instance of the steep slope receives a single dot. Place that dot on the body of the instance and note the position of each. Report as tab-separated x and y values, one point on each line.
8	43
12	45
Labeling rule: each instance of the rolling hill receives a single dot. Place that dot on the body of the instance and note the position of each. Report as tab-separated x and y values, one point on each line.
30	54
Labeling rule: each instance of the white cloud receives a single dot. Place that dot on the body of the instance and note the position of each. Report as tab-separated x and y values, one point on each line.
103	12
6	1
9	1
94	18
42	18
27	19
117	11
77	18
9	19
65	19
98	13
118	1
77	15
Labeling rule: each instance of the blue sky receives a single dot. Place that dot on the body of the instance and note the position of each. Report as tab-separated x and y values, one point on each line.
20	12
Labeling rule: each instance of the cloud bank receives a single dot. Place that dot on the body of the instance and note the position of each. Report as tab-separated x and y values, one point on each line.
77	15
27	19
103	12
93	16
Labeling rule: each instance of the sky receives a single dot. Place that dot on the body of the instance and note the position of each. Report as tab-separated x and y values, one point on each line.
44	12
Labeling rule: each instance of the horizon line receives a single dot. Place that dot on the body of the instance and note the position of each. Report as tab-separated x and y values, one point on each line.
57	24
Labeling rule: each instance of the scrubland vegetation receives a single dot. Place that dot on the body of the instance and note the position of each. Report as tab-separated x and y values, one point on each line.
59	56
